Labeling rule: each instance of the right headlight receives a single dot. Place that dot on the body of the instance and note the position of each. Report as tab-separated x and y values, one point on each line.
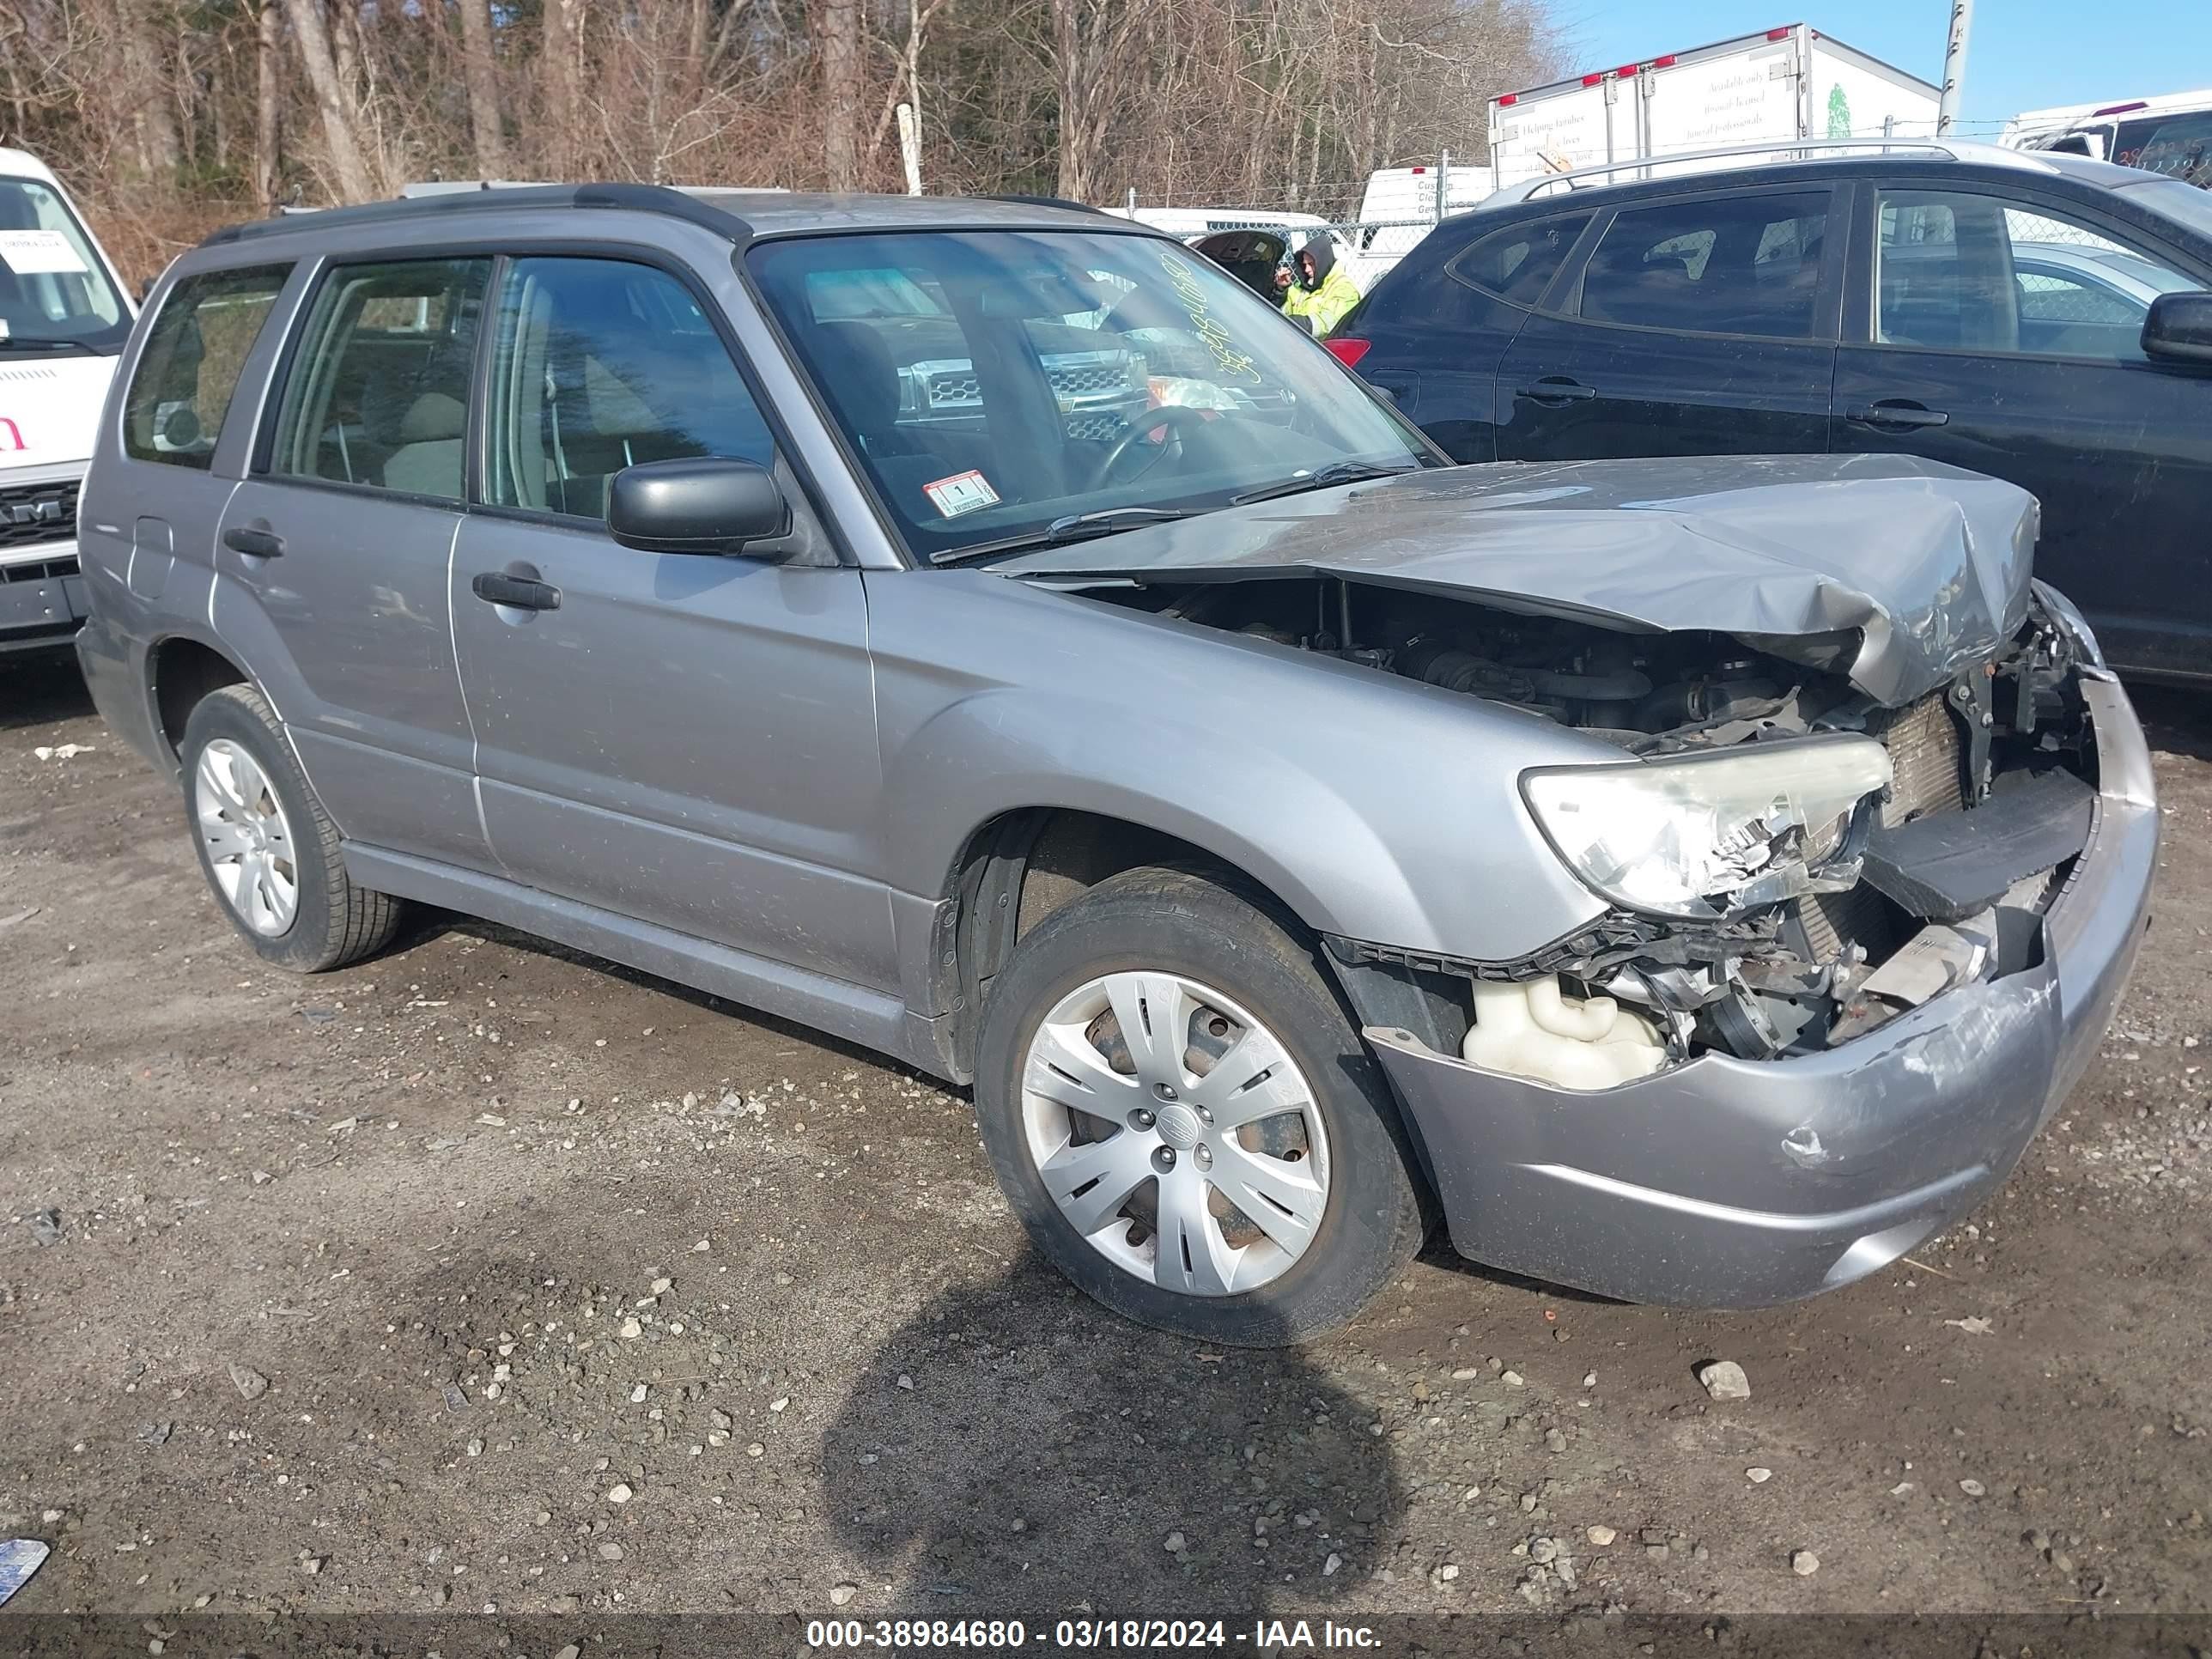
1711	835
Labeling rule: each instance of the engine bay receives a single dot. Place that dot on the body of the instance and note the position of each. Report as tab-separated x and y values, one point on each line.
1827	933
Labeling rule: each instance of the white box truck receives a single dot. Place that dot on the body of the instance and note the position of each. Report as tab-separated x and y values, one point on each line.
1792	82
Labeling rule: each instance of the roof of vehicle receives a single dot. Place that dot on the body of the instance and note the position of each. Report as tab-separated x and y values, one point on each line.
741	215
1903	157
22	164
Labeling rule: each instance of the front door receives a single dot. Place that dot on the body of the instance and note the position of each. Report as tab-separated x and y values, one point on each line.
1699	325
682	738
1998	330
339	541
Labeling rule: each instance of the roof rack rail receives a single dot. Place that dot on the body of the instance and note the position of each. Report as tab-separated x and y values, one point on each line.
636	198
1021	200
1805	149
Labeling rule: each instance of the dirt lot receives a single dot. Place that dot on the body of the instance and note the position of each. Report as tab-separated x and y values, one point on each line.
486	1275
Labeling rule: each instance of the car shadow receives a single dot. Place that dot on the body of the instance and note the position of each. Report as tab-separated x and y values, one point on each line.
39	689
1015	1449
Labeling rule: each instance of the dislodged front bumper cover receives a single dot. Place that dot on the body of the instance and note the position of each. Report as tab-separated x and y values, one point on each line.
1725	1182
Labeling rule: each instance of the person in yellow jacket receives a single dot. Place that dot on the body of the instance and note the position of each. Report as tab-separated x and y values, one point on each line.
1320	294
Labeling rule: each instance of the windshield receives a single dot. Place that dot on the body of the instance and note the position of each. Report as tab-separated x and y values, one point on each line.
52	285
995	384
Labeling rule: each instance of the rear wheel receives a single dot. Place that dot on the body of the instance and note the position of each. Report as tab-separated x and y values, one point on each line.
1180	1110
265	845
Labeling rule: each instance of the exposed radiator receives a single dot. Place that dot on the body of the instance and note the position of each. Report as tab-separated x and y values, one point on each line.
1925	754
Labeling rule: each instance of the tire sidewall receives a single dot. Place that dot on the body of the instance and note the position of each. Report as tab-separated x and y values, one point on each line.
229	714
1207	934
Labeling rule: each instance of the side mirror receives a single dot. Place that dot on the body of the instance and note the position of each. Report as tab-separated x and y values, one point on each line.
707	505
2178	328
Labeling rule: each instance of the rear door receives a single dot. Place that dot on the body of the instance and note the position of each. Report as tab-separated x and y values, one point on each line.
339	540
1996	328
1697	325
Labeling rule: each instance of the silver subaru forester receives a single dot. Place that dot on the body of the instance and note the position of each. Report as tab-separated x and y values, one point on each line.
989	634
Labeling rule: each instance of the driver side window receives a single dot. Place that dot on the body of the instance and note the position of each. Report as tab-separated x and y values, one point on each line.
1960	270
603	364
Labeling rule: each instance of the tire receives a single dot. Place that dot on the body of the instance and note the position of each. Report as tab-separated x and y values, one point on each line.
239	774
1268	1274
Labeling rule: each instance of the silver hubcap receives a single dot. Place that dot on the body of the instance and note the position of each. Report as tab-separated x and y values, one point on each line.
1176	1133
247	836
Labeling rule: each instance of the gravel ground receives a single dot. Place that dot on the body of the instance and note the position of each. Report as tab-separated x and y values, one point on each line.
486	1275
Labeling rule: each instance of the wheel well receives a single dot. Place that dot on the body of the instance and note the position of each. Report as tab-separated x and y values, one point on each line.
184	671
1022	865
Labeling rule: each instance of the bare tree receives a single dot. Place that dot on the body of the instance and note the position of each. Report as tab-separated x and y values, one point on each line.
837	26
349	171
268	95
480	62
169	117
1094	56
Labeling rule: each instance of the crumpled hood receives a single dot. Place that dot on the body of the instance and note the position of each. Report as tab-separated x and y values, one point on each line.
50	408
1897	572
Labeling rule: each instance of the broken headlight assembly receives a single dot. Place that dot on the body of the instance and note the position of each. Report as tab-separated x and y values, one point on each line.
1713	837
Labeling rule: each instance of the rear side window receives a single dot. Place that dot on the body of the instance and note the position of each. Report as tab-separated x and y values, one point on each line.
379	393
195	352
604	364
1729	264
1519	262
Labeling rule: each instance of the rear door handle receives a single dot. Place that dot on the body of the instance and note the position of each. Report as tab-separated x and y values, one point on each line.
1556	391
257	540
522	593
1898	414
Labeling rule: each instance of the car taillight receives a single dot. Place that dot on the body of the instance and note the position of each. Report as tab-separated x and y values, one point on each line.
1346	350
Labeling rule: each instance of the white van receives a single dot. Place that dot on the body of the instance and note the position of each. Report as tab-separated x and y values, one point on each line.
2170	133
64	316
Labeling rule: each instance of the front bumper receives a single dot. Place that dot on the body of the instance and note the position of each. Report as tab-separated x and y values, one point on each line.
1726	1182
42	599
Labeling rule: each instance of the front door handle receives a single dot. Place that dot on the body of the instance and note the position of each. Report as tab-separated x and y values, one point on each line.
1556	391
521	593
1898	414
257	540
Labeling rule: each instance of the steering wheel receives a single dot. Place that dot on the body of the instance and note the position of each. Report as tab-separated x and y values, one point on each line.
1141	427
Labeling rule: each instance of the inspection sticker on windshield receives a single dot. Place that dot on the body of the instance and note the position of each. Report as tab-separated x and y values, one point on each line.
38	253
963	492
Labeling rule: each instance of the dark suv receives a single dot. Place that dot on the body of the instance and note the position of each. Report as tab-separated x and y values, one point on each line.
2038	317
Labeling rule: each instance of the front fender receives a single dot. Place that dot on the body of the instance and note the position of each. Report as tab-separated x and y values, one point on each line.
1373	807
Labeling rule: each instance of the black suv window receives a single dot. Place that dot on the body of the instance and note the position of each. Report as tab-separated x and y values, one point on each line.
189	370
379	394
1518	262
1718	265
603	364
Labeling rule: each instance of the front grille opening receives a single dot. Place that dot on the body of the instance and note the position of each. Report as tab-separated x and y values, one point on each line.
31	514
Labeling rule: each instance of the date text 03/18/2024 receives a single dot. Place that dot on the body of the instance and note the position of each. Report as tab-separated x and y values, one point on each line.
1085	1635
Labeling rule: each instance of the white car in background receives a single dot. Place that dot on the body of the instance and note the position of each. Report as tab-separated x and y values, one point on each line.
64	315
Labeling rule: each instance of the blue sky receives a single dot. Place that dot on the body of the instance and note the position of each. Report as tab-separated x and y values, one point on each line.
2026	54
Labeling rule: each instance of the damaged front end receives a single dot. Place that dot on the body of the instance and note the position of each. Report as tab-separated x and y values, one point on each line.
1783	884
1787	860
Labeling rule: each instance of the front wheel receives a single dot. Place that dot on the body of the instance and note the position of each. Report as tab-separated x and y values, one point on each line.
1180	1111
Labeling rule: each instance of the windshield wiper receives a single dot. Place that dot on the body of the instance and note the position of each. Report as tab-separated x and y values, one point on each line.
1075	527
17	343
1336	472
